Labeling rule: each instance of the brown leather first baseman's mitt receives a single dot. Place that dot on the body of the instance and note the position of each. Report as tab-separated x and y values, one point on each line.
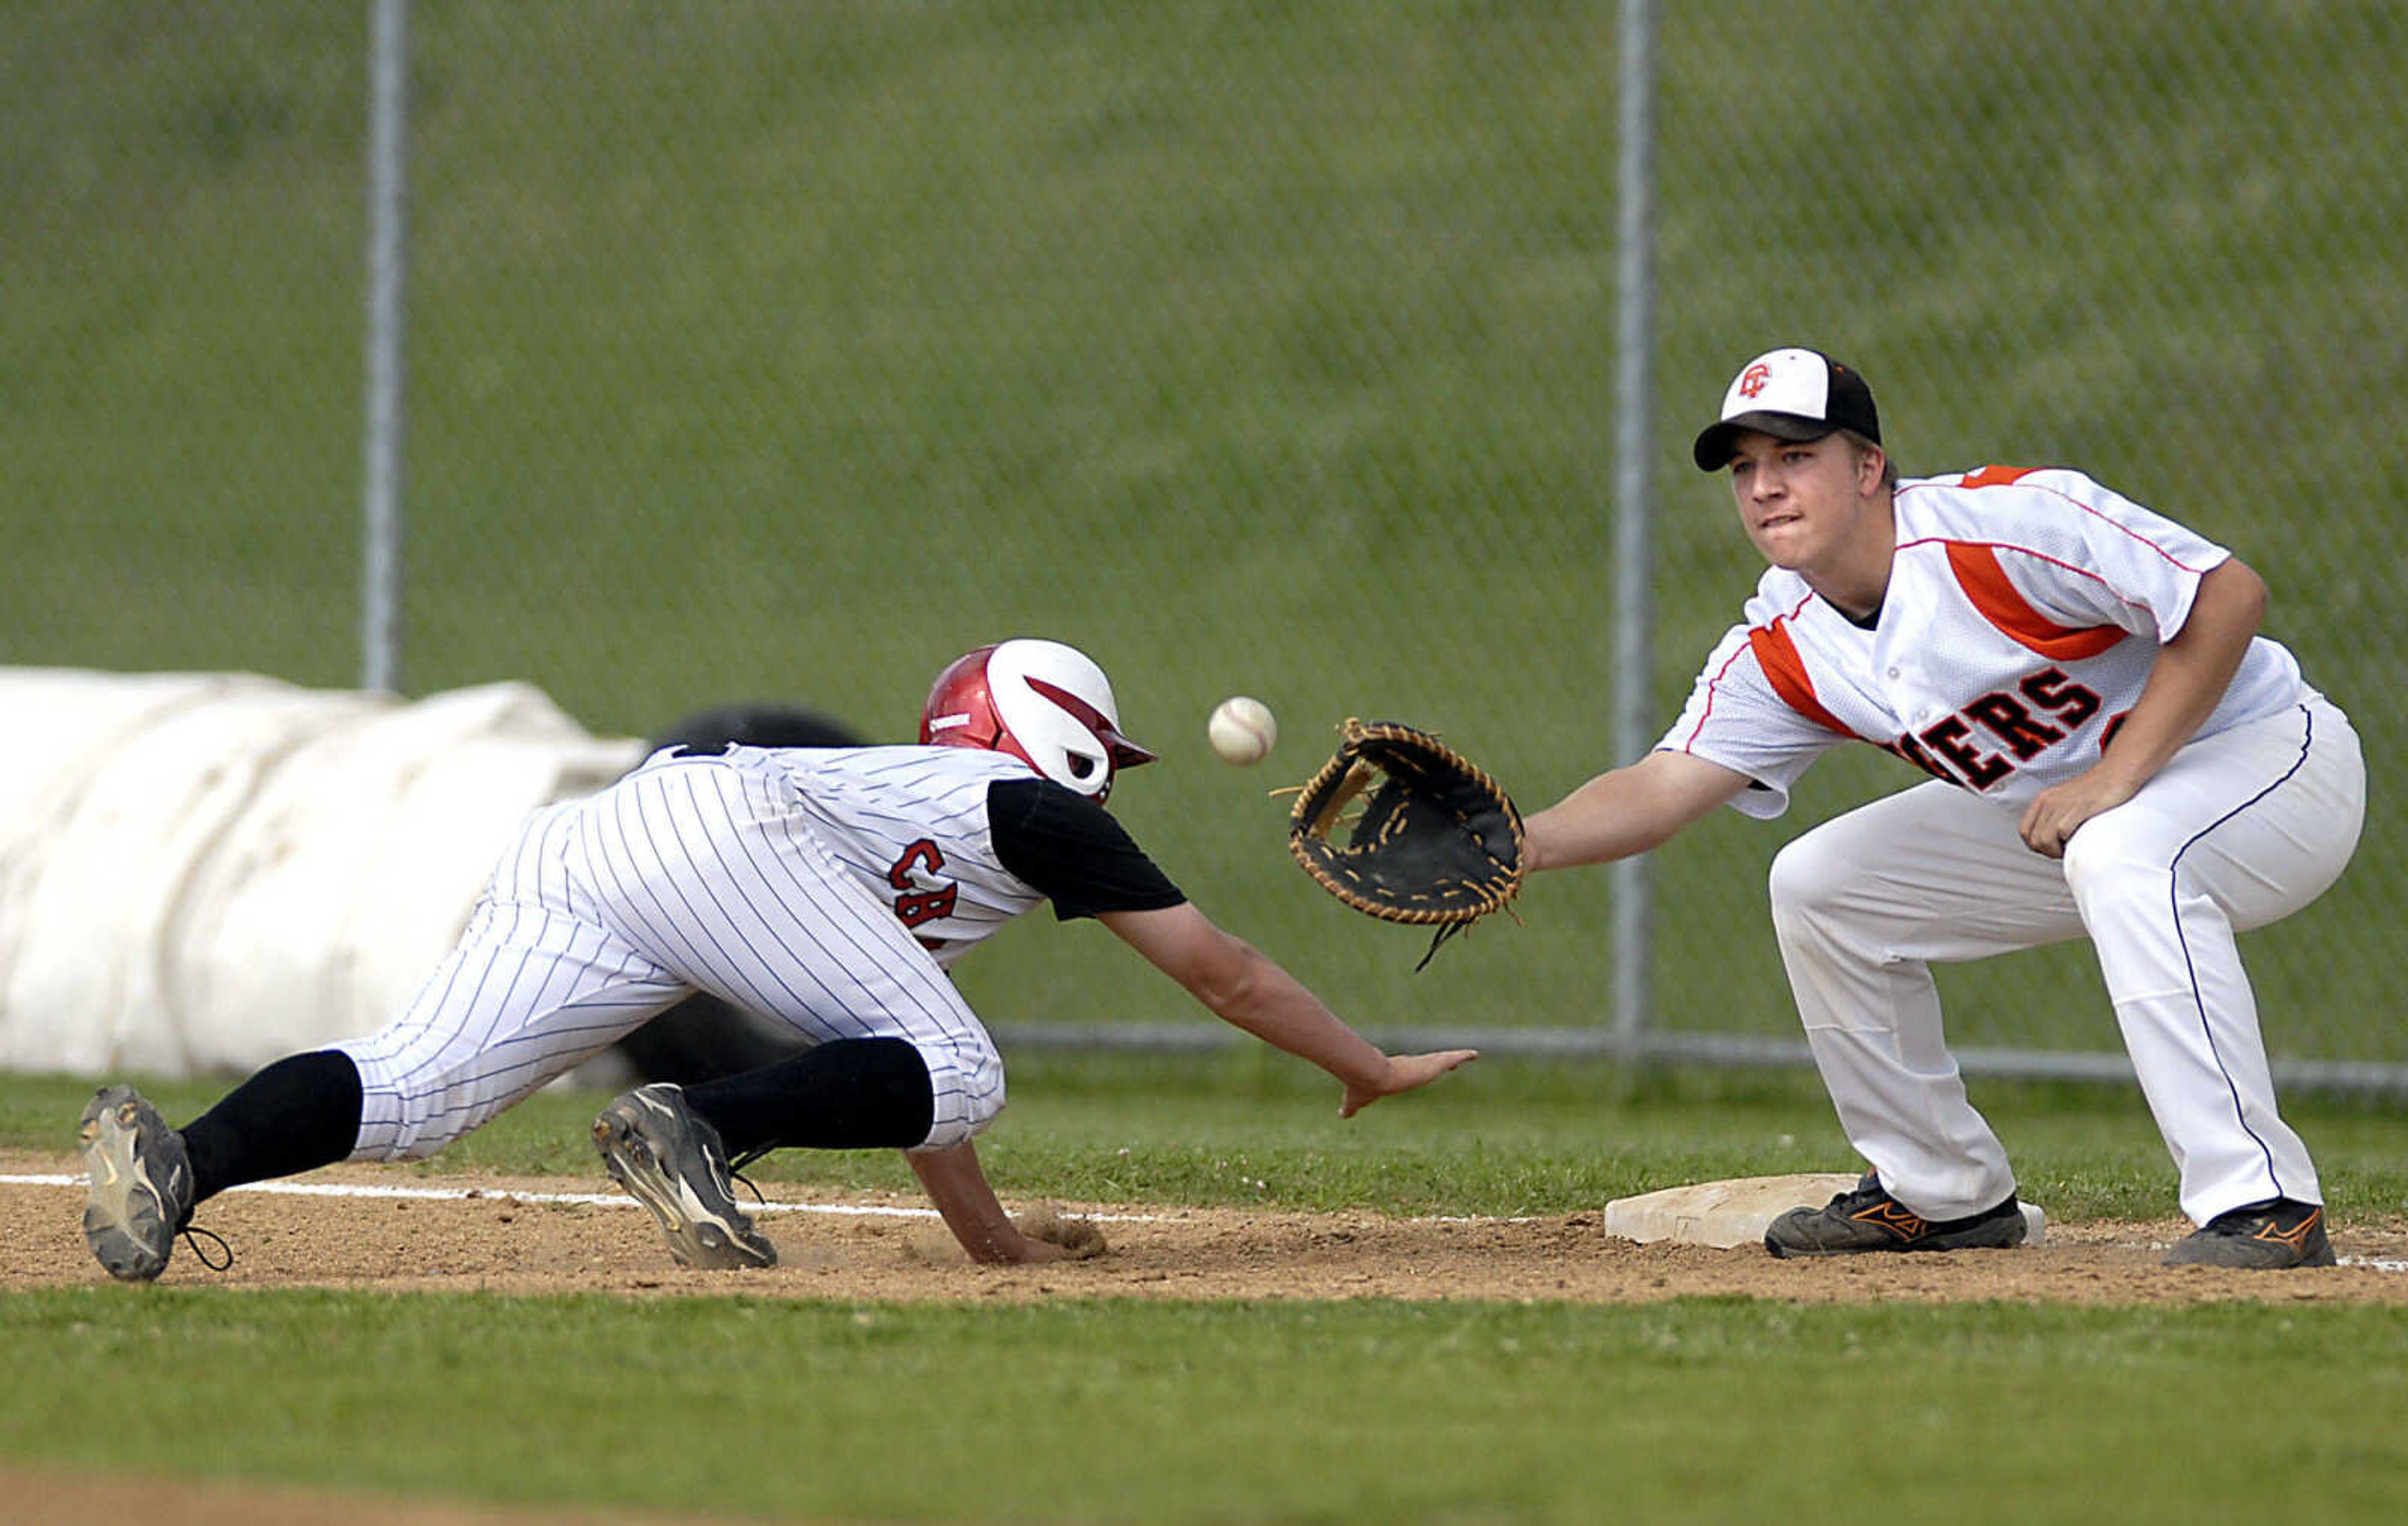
1431	838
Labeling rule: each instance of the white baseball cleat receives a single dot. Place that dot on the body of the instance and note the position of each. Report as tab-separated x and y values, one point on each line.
674	1164
138	1184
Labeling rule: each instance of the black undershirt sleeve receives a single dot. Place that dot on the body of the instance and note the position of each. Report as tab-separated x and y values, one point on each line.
1072	850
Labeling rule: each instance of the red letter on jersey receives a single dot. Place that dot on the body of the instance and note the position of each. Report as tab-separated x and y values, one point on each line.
917	906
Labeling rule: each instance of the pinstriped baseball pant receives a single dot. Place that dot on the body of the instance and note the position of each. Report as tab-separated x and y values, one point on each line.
2236	831
695	875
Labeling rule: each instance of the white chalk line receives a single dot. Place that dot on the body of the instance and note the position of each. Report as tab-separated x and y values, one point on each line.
617	1200
834	1210
599	1200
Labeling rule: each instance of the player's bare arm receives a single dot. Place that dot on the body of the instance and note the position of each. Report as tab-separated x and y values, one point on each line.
958	1186
2191	675
1247	988
1628	810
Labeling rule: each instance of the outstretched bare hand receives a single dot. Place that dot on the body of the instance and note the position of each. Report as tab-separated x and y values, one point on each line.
1402	1072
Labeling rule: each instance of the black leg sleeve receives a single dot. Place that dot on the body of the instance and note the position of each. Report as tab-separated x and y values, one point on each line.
857	1094
297	1115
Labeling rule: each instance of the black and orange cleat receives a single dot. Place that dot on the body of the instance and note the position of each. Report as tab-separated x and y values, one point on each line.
2271	1235
1868	1219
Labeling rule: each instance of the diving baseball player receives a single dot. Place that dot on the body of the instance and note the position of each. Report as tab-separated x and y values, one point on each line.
2114	753
828	889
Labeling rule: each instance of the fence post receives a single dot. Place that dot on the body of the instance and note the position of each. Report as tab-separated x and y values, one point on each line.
387	374
1633	566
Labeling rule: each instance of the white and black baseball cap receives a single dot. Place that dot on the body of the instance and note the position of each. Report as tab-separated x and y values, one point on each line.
1790	394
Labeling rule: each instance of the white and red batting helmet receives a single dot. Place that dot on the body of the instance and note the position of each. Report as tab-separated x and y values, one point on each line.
1044	702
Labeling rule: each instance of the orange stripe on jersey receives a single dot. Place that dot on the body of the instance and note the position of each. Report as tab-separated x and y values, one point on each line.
1995	476
1985	584
1778	656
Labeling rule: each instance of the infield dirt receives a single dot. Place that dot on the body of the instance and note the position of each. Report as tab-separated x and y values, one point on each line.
494	1242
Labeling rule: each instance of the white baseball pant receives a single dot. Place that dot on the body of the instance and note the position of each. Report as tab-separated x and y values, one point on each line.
700	875
2238	829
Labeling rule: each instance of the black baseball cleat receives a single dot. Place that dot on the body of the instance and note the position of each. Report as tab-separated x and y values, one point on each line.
138	1184
2274	1234
674	1164
1867	1217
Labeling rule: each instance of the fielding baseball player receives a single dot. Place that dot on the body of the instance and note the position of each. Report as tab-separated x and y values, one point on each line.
2115	754
829	888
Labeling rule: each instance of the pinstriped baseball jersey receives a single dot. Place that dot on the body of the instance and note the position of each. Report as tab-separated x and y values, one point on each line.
911	824
820	887
2024	612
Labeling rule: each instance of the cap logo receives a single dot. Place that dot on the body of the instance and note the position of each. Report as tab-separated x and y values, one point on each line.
1754	379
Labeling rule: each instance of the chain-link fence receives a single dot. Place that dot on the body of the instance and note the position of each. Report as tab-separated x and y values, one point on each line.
766	351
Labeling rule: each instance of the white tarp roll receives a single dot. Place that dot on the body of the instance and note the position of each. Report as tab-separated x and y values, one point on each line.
200	873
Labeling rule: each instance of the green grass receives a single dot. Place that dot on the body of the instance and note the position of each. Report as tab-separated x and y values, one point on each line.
1501	1138
1355	1411
1125	1411
785	351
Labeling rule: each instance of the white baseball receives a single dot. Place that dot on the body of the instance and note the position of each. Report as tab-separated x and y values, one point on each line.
1242	730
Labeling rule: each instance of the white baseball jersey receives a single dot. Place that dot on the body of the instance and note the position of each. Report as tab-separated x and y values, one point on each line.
911	824
2024	613
819	887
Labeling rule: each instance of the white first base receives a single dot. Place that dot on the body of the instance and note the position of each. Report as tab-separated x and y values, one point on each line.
1724	1214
